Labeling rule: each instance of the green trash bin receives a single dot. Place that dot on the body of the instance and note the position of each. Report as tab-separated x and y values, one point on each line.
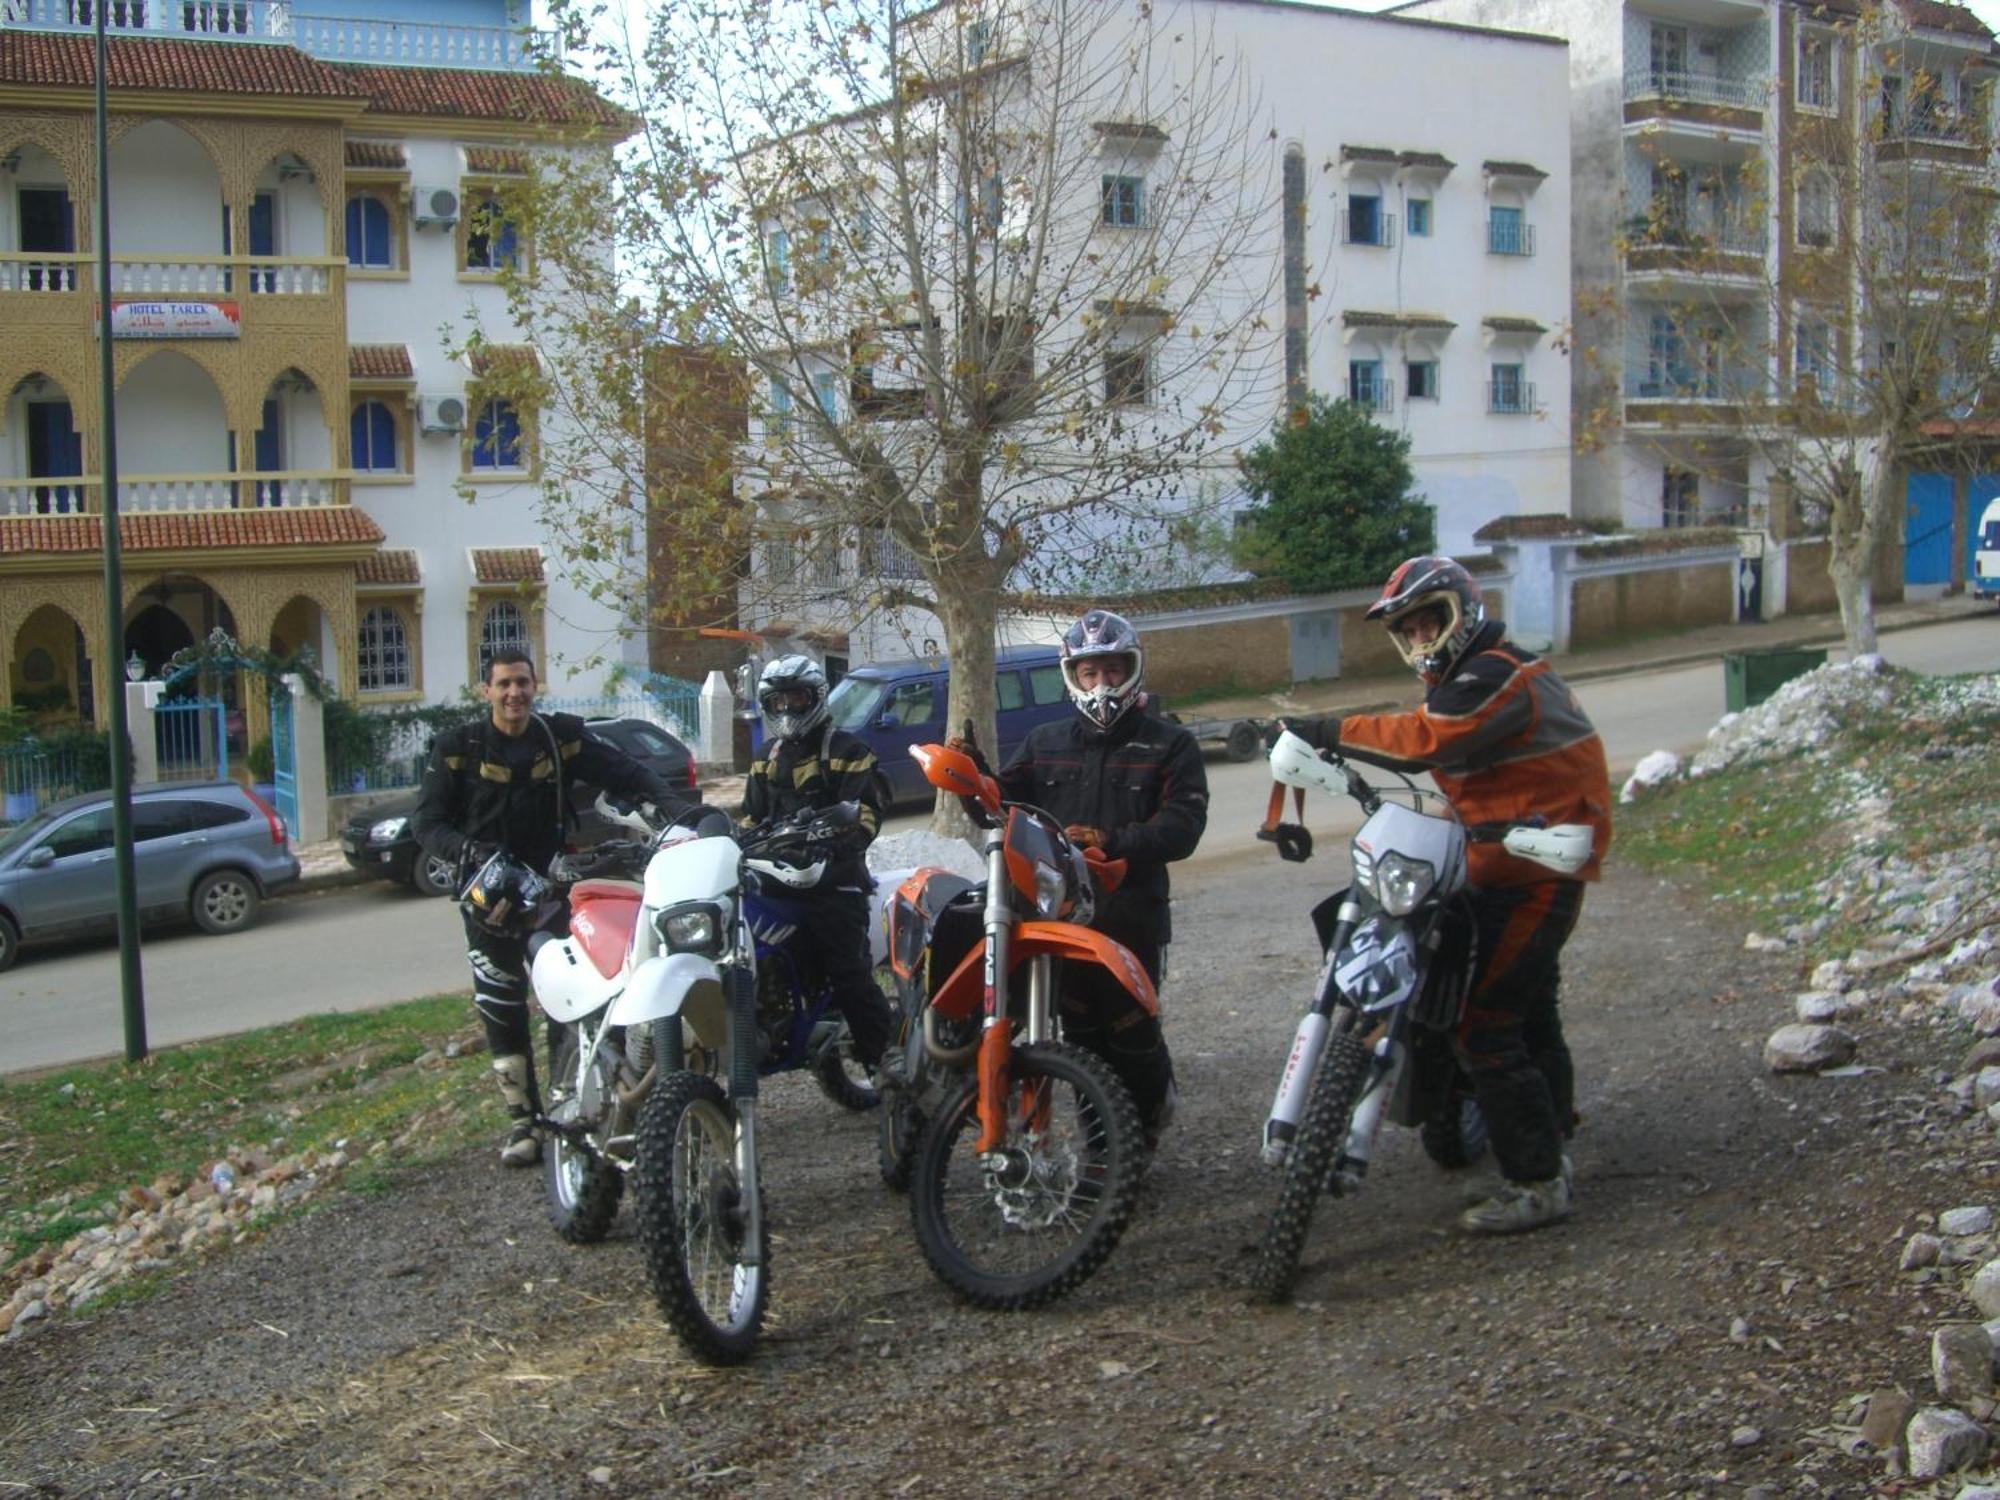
1749	677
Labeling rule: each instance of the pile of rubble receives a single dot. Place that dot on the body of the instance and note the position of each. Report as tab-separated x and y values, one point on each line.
1930	957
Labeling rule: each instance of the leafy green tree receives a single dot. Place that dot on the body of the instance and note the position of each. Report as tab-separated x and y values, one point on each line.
1335	507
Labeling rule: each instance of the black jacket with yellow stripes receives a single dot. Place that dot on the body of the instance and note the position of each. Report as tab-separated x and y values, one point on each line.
827	766
482	786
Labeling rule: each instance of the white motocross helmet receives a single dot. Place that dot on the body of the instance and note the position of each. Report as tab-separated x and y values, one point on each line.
1100	634
791	695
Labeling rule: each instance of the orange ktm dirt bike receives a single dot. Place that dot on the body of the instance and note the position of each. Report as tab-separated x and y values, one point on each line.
1022	1154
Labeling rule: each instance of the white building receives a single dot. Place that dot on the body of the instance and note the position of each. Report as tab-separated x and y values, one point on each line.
300	233
1696	205
1412	254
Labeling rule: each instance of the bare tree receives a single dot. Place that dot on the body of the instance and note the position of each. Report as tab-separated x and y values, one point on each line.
1847	357
996	276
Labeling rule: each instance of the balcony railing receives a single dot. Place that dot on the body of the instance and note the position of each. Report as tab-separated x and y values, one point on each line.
1694	88
332	37
172	275
1372	395
1509	237
174	493
1712	239
1510	398
1919	123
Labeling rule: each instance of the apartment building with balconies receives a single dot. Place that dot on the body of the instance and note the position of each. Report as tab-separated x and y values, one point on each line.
304	225
1410	253
1726	155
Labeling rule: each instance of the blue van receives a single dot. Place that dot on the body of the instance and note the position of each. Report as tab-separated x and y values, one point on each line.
895	705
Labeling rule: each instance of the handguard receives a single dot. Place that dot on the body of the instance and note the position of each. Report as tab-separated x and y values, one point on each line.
954	771
1108	872
1565	848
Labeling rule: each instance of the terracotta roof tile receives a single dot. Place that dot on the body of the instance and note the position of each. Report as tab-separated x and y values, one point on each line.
390	565
506	564
380	362
181	531
67	60
497	161
489	359
522	98
379	154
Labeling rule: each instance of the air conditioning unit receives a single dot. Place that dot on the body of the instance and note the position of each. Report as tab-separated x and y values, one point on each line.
437	415
433	206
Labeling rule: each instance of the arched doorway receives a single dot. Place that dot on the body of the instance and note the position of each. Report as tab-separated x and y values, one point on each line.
48	670
170	615
154	634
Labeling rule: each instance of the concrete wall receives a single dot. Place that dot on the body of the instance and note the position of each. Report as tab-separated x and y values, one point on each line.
1809	587
1619	606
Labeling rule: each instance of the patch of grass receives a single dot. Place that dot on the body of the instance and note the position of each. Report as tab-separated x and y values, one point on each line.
74	1139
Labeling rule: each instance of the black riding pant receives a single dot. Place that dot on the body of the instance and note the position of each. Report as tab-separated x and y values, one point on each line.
1100	1015
500	992
1510	1039
836	923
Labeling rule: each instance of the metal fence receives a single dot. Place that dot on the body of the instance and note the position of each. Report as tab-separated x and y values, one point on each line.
34	775
667	701
397	760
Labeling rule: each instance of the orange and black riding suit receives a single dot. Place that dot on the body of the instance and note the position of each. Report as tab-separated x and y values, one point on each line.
1506	741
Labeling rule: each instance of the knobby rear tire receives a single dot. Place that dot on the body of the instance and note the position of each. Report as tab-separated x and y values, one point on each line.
582	1188
1322	1133
834	1071
685	1200
946	1199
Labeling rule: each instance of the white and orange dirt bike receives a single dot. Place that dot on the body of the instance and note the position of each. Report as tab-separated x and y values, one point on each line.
677	988
1022	1154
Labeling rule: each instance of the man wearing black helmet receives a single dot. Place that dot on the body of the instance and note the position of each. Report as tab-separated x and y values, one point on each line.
806	763
1131	784
500	783
1506	741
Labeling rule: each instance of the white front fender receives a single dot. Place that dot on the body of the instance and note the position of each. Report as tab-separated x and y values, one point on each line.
676	984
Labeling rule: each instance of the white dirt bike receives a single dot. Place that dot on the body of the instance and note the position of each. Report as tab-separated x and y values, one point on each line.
1400	956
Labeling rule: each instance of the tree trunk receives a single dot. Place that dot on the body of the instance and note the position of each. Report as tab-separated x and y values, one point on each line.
1855	533
969	610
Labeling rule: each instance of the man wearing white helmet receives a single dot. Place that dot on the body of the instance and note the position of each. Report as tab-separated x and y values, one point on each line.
807	763
1129	783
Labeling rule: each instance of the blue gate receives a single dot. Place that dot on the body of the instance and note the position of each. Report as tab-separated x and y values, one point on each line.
284	758
191	737
1927	530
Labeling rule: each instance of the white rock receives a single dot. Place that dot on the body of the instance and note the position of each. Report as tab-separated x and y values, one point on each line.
1830	975
1756	942
905	851
1976	1219
1986	1087
1746	1437
1984	1289
1977	1492
1806	1049
1654	768
1962	1362
1919	1250
1816	1007
1941	1441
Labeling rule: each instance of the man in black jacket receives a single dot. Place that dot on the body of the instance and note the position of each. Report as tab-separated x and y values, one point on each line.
502	782
1133	785
806	763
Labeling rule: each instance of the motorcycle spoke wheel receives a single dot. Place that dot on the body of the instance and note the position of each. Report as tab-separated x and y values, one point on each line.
690	1211
583	1188
841	1077
897	1131
1316	1147
1033	1223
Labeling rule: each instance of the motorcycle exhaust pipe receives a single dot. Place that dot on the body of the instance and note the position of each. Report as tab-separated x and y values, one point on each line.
1293	1087
938	1052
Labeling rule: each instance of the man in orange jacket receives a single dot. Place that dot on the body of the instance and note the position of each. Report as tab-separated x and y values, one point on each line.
1506	742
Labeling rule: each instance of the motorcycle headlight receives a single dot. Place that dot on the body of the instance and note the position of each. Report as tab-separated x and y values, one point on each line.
694	928
1400	883
1049	888
387	831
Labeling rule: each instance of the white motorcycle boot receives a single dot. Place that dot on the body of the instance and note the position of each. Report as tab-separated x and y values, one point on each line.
524	1147
1520	1206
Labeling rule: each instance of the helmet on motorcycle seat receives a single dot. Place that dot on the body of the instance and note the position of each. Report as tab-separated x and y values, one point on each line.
1106	639
506	895
1437	583
791	695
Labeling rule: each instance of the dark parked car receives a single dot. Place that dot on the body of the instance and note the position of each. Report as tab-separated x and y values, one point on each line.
205	852
379	840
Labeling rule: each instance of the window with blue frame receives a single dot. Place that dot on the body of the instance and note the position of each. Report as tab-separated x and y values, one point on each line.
1417	214
1365	385
1365	224
496	436
369	243
778	416
1124	201
1507	232
372	437
826	390
55	450
492	243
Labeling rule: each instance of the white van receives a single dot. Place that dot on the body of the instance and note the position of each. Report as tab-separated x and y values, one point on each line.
1986	560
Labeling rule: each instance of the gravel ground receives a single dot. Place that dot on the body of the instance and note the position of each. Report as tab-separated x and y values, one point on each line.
1726	1287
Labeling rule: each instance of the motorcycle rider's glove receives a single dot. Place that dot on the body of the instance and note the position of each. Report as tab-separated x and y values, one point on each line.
1085	837
1312	731
971	751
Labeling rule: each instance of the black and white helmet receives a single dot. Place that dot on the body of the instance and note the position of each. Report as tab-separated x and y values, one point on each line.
1098	636
791	695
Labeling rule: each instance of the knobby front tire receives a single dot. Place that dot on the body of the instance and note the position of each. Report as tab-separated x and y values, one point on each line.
689	1207
1322	1133
1073	1163
583	1188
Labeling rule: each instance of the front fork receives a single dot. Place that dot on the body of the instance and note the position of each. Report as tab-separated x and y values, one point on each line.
1302	1064
743	1057
996	1039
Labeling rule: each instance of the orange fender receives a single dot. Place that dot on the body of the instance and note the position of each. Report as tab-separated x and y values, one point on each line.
958	998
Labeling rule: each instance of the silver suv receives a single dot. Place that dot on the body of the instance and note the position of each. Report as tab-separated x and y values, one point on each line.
206	852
